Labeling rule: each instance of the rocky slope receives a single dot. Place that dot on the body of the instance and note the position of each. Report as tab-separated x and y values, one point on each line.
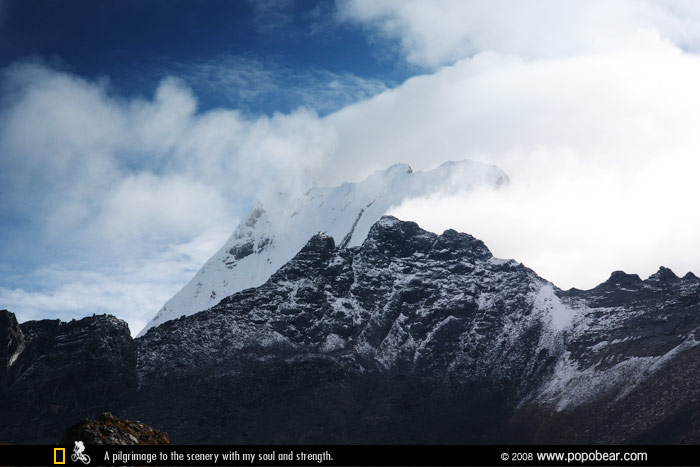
410	337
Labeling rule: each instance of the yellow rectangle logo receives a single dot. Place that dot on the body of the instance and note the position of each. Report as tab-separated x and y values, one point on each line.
59	456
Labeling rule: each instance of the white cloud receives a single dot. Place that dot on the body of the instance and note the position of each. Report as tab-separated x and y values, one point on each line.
615	108
103	181
140	205
73	154
443	31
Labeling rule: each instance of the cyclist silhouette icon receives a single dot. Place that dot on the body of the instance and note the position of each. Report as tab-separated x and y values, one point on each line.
79	453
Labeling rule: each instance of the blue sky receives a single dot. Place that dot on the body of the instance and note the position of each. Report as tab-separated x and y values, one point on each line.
135	134
134	44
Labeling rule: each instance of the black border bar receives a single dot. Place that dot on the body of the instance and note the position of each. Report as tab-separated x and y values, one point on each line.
352	455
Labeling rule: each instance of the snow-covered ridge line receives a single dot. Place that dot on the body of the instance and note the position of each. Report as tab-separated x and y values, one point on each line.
272	234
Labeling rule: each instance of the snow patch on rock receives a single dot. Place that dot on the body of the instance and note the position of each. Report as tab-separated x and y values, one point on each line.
555	313
571	386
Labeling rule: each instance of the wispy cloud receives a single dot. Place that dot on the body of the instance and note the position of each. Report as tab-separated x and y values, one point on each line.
284	20
246	82
272	16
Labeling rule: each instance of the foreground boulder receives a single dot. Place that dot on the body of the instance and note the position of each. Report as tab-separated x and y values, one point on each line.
110	430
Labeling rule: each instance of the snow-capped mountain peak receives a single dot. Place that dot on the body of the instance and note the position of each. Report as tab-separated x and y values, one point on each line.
271	234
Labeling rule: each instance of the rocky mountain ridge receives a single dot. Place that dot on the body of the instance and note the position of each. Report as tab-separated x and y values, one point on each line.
411	337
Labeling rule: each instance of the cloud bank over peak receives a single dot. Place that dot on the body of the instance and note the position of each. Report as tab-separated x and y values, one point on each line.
588	106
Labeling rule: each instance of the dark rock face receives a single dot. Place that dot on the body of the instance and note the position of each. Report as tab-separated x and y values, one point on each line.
66	372
411	338
110	430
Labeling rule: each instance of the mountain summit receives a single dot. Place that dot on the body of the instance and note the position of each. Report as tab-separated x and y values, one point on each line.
271	234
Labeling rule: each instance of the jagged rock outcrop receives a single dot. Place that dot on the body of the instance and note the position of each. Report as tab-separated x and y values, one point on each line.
411	337
108	429
415	315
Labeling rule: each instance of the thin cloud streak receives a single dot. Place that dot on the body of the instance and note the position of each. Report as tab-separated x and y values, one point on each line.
251	84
